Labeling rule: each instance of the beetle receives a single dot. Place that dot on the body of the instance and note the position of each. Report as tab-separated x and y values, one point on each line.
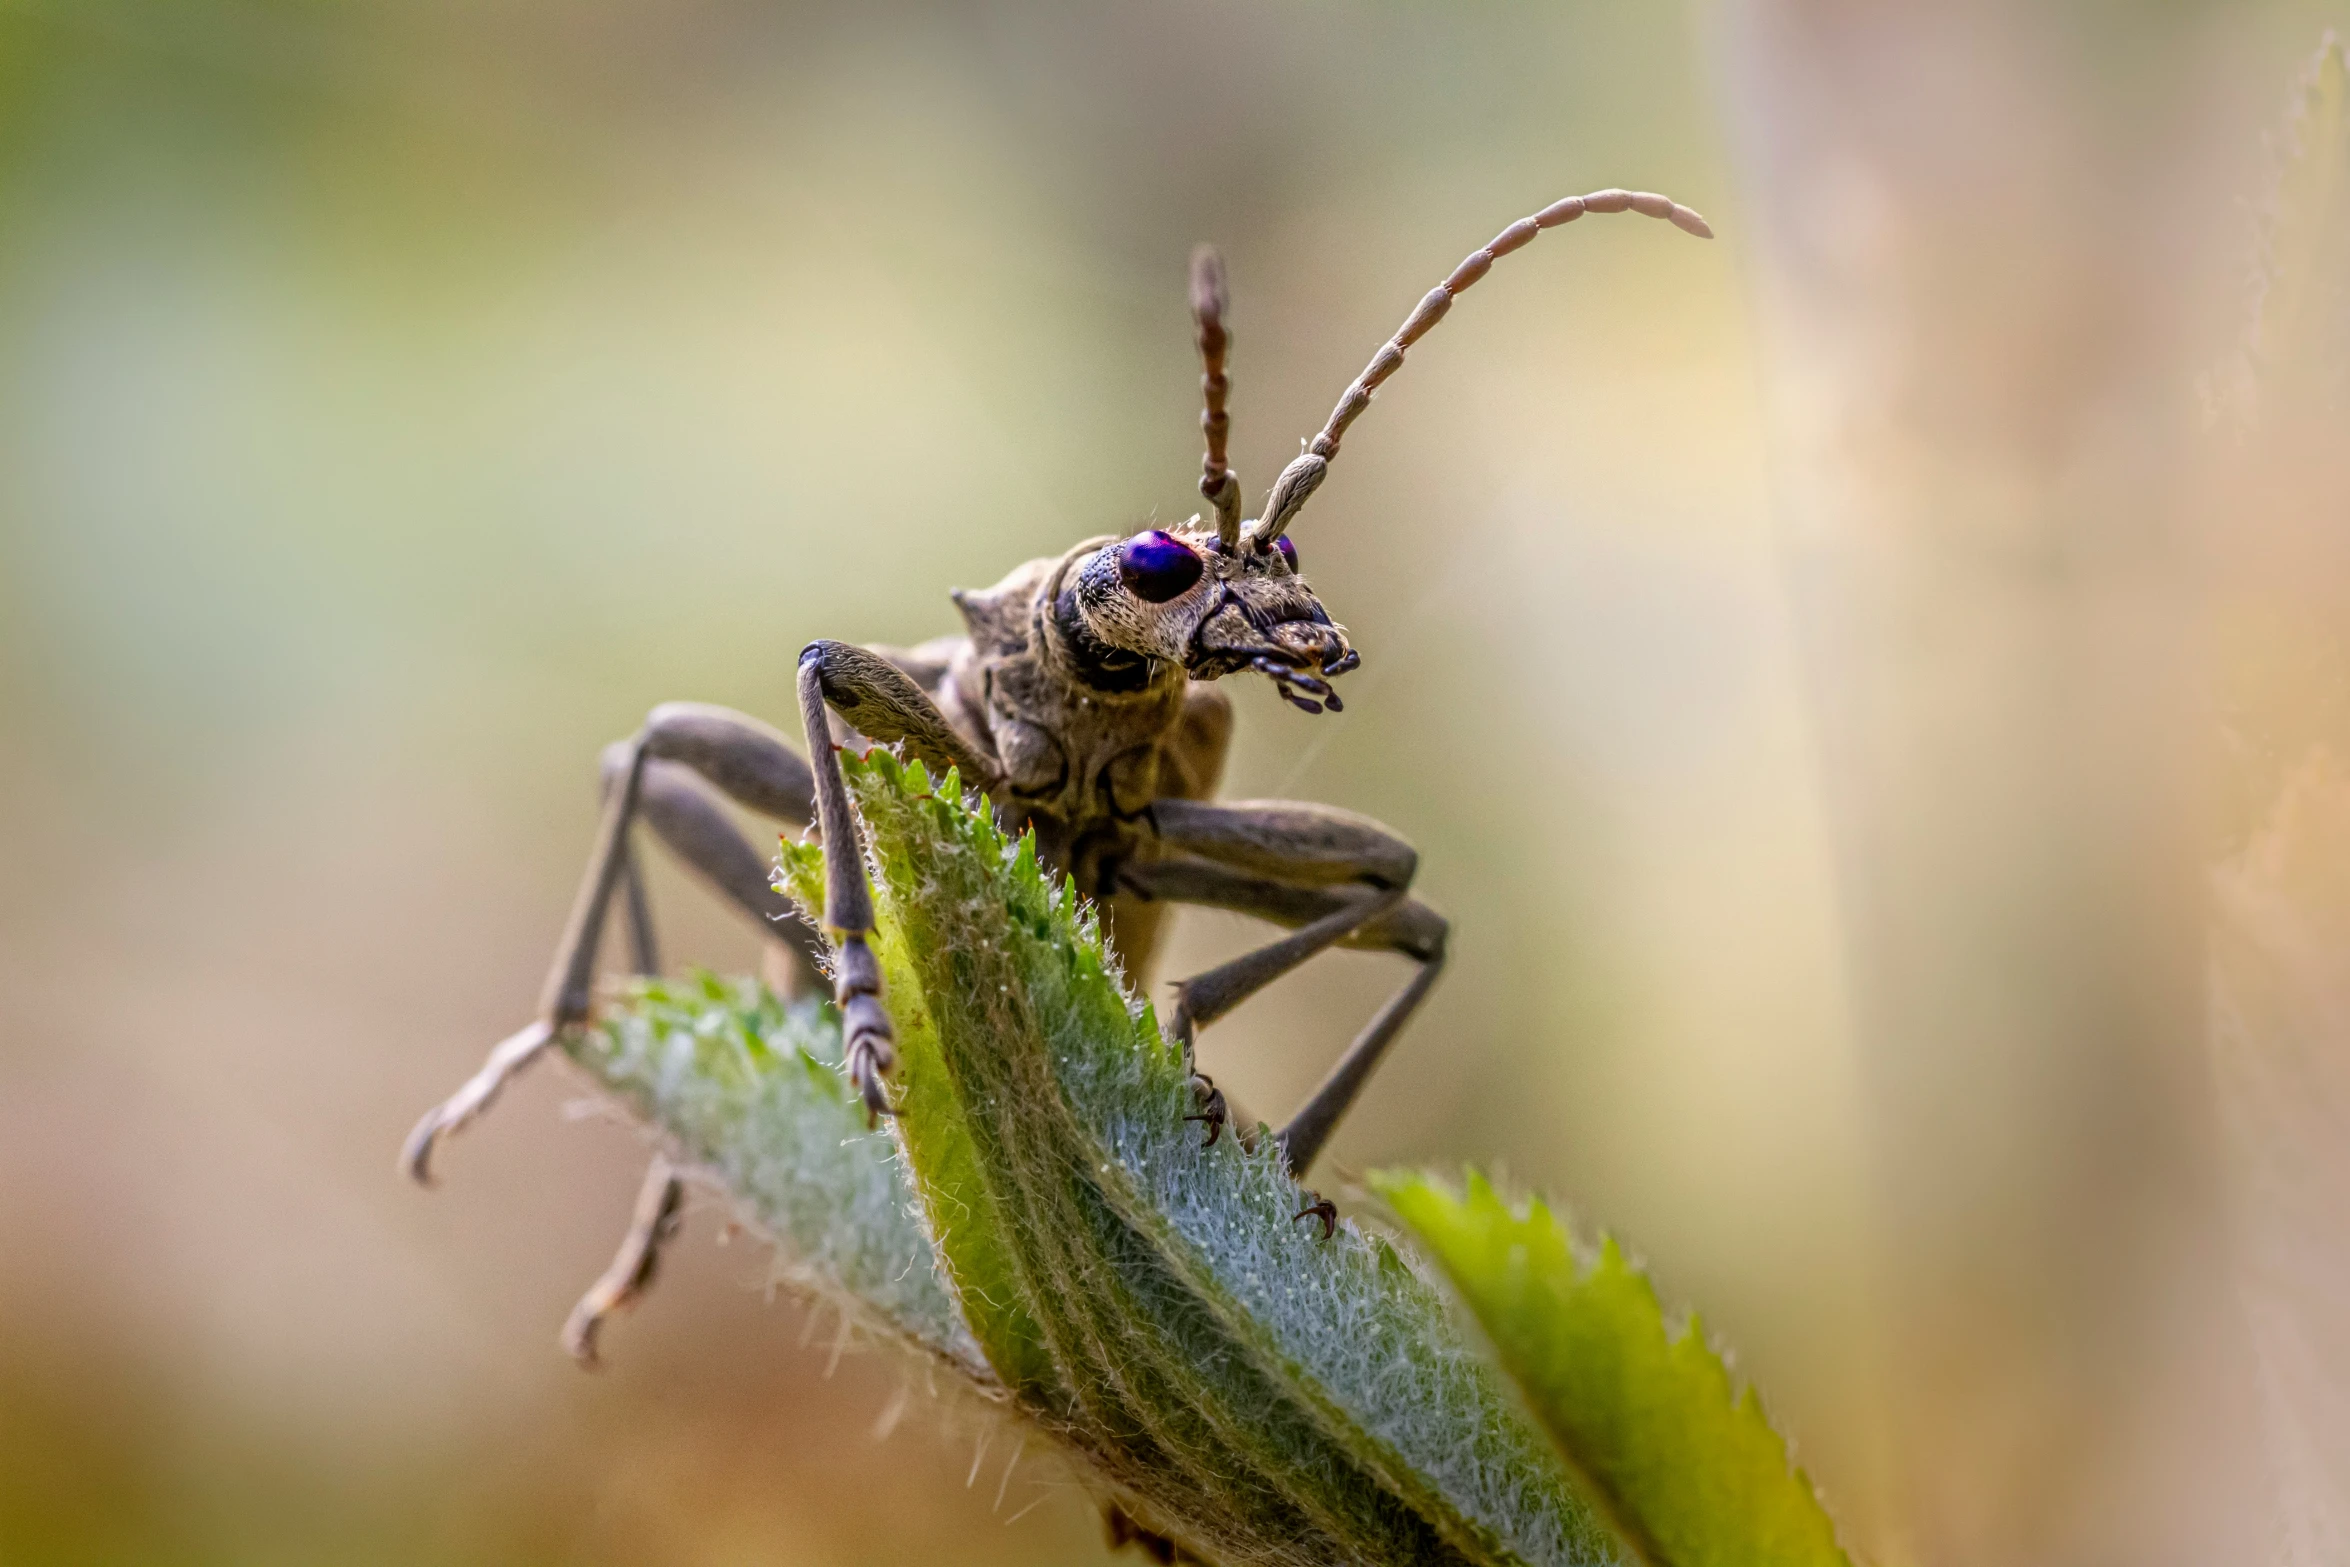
1080	700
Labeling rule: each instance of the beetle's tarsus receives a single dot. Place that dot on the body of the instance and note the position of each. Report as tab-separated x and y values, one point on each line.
509	1056
1320	1208
869	1058
870	1053
660	1208
570	979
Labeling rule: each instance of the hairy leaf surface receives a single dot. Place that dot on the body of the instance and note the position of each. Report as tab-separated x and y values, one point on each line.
750	1089
1262	1394
1040	1215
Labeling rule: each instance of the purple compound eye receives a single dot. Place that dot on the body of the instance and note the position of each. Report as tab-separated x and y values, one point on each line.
1157	566
1287	549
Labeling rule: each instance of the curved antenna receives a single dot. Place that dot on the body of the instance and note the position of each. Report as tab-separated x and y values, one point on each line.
1305	473
1209	301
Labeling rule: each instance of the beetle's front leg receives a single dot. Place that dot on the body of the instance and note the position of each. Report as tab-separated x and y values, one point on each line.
869	1041
879	701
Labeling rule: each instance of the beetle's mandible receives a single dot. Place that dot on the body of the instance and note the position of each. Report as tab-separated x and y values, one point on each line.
1080	700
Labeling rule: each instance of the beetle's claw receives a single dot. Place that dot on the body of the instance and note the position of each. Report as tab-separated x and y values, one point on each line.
866	1078
869	1059
1320	1208
1212	1109
877	1103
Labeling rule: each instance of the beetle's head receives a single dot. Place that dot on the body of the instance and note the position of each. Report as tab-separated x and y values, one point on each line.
1186	596
1228	597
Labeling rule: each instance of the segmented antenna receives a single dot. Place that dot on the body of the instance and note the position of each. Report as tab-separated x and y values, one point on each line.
1305	473
1209	301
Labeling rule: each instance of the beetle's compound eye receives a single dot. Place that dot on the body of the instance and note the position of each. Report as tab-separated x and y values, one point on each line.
1157	566
1287	549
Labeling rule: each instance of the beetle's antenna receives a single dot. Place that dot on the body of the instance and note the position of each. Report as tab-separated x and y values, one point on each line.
1305	473
1209	301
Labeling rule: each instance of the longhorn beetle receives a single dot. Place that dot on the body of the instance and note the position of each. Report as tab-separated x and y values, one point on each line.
1080	700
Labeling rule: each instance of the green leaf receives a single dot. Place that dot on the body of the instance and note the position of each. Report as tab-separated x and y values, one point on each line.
965	1222
1245	1386
1683	1465
1040	1216
749	1089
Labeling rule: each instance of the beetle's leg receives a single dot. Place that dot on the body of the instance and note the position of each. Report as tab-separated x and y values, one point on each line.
1293	841
1411	928
568	991
1313	1122
685	815
660	1201
1205	997
869	1039
660	1209
1321	1208
658	776
649	775
1339	877
881	702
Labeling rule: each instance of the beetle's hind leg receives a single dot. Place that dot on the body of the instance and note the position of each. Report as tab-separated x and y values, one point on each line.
566	999
660	1209
660	1202
656	775
664	776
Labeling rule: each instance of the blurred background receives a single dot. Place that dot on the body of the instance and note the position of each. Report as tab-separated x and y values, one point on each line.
1825	672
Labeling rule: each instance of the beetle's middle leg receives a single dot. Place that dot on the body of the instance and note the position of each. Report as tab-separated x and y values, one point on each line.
1338	878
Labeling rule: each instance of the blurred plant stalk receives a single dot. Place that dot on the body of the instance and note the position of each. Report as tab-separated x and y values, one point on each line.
2278	507
1984	261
